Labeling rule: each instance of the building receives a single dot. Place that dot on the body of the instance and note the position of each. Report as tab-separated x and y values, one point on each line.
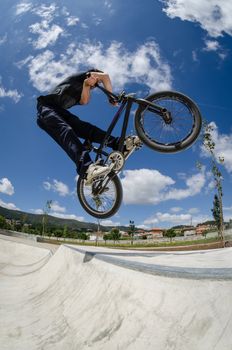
202	228
155	233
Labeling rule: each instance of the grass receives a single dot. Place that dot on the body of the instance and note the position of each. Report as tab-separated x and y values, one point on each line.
205	243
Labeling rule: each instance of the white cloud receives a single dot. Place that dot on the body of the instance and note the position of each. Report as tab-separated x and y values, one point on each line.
38	211
227	215
194	56
228	208
6	186
3	39
144	65
72	21
175	219
13	94
45	72
57	186
11	206
143	227
108	6
214	16
47	35
223	146
96	20
23	7
109	223
55	207
194	186
211	45
144	186
46	12
214	46
176	209
193	211
147	186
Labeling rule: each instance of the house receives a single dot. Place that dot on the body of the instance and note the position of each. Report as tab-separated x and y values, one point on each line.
124	234
189	232
155	233
201	228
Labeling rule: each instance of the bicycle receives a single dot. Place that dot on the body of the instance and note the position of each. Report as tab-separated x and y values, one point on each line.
166	121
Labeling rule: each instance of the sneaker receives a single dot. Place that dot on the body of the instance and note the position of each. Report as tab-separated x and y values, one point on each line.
131	143
94	171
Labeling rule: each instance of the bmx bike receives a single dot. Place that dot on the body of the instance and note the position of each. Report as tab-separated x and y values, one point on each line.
166	121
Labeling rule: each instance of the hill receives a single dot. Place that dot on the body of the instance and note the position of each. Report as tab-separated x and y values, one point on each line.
72	225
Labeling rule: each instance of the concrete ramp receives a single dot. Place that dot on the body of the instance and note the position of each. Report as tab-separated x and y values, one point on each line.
104	299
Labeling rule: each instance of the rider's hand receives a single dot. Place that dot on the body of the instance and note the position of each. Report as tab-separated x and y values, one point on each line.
113	102
91	81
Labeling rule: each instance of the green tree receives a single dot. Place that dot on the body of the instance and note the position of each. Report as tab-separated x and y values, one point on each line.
3	222
115	234
209	145
24	219
170	234
82	235
45	215
216	211
106	237
65	231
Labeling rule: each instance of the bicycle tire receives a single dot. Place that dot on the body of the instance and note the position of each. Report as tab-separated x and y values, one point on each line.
168	99
90	205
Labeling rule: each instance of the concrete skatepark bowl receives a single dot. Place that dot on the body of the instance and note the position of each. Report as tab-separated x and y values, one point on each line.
95	298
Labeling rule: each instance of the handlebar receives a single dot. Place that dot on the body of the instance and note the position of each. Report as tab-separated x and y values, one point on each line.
113	98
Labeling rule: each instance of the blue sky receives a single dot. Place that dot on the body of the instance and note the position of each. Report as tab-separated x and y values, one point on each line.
145	47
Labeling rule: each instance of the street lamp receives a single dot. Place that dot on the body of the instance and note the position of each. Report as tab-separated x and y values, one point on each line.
132	228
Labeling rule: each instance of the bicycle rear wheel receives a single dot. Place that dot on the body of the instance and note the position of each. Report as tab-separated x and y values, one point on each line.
183	130
103	198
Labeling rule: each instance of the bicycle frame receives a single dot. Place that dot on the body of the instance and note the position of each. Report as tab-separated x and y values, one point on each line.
126	104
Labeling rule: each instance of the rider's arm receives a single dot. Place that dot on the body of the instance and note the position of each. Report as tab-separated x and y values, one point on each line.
103	78
91	81
85	95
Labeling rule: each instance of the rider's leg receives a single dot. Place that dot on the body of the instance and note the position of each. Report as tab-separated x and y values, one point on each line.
55	125
89	131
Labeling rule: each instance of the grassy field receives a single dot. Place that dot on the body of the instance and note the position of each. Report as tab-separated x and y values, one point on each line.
208	243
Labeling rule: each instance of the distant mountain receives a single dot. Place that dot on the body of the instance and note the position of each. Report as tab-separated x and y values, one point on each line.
180	227
53	221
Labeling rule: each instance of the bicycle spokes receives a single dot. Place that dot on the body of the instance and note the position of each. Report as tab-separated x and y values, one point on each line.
176	129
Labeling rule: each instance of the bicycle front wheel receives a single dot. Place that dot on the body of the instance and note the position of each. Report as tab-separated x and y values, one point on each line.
103	198
172	137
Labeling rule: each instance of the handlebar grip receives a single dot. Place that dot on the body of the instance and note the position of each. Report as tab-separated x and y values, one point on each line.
113	100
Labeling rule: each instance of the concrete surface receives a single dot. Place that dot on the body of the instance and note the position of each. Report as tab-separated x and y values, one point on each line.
98	298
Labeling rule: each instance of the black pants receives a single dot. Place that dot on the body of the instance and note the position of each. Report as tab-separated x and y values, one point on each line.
66	128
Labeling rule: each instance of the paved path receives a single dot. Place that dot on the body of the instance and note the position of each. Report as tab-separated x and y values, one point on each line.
98	298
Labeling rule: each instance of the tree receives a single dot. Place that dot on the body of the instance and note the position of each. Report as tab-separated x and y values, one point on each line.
115	234
45	214
170	234
65	231
3	223
209	145
216	211
106	236
24	219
